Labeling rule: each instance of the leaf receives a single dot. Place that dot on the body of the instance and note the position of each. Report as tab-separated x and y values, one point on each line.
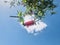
39	13
21	19
38	7
19	14
53	13
6	1
24	1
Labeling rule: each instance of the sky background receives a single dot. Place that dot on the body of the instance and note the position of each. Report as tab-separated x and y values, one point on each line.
11	33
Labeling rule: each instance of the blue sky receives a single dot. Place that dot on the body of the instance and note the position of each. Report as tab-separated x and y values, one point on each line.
11	33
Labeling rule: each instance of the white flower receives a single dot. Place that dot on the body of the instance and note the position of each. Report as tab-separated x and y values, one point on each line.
39	26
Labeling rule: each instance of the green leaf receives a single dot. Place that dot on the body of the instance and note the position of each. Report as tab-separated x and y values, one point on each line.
23	1
19	14
21	19
53	13
39	13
